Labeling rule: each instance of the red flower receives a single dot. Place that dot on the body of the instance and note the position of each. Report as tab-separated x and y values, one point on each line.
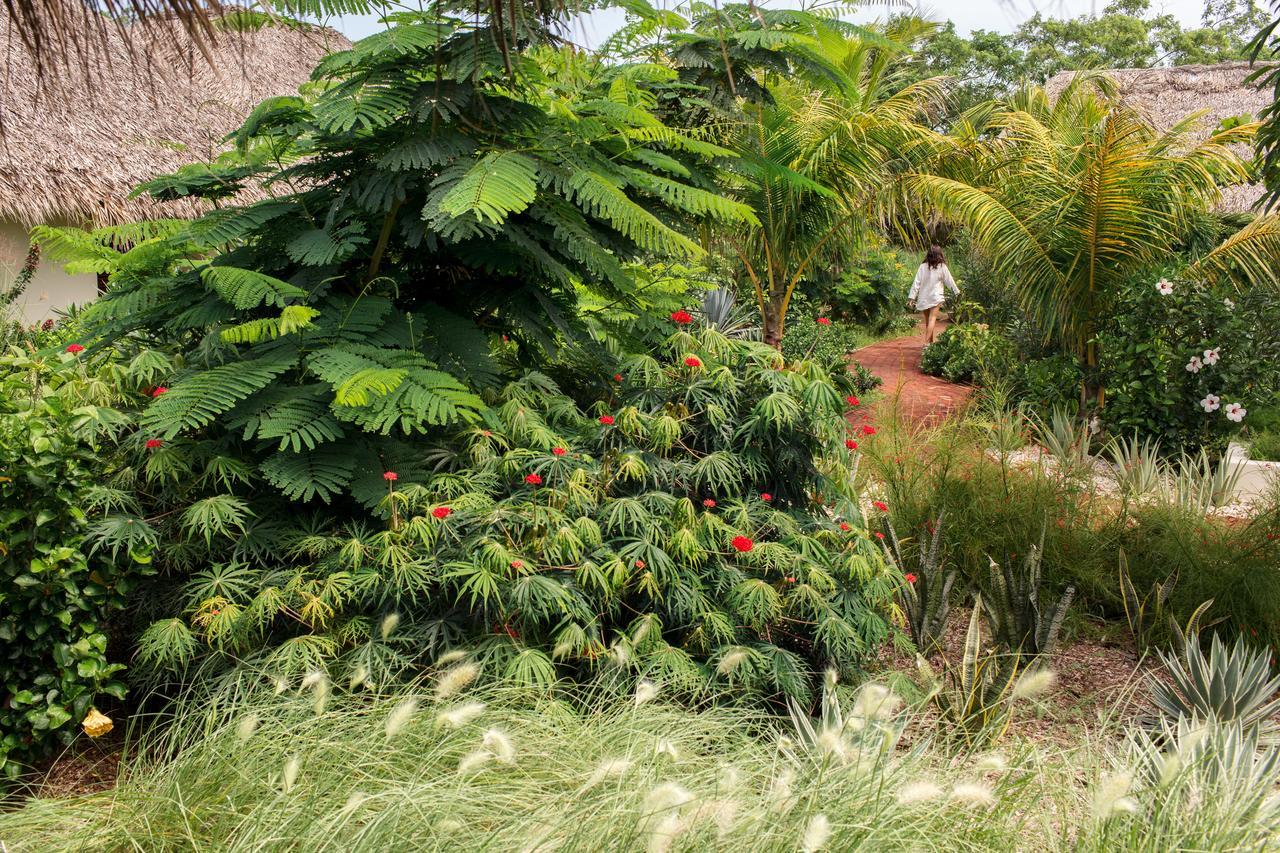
617	377
851	444
391	476
517	564
158	390
742	544
880	505
852	400
486	433
879	535
844	525
441	511
692	361
681	317
558	451
868	429
910	578
766	497
607	420
74	348
533	479
640	564
153	443
708	503
823	321
790	579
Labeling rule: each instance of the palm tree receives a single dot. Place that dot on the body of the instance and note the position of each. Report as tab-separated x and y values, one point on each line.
819	164
1068	198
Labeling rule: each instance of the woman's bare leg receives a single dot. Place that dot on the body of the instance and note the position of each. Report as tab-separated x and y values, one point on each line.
930	319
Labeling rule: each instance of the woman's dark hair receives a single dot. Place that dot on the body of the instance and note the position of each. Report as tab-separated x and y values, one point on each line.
934	257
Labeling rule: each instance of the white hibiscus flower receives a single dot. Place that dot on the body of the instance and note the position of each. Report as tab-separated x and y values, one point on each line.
1211	403
1235	412
1194	365
1164	286
1211	356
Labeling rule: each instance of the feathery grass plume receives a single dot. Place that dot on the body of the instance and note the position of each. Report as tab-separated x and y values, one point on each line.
606	770
247	726
1110	797
1033	683
460	715
358	678
473	761
731	661
400	716
389	624
1170	767
816	834
562	648
448	825
663	834
280	684
730	777
450	657
542	840
781	798
645	691
833	743
355	801
876	702
620	653
500	745
642	631
973	794
665	797
918	792
992	761
453	680
662	746
289	777
320	687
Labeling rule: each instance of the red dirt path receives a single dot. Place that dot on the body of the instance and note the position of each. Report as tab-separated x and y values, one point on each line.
916	396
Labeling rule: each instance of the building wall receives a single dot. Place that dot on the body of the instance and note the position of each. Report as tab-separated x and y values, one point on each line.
50	290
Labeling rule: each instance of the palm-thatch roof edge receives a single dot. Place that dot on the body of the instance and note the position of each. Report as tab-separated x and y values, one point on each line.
1168	95
72	152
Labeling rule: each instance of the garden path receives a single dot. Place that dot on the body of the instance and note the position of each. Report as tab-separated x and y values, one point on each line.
918	397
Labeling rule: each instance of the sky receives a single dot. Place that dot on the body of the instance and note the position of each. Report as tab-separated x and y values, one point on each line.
1000	15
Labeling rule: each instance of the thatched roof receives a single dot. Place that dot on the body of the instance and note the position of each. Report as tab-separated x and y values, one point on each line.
1168	95
71	151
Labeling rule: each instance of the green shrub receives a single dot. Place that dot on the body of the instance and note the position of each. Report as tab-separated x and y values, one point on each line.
828	345
697	526
970	353
1158	378
872	292
1265	446
57	596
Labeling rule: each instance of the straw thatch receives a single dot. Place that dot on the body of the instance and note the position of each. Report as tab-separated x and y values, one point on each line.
1168	95
73	151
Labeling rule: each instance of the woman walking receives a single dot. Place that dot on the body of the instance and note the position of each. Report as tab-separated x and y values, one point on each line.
927	291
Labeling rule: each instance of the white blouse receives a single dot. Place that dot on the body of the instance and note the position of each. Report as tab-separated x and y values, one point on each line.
927	289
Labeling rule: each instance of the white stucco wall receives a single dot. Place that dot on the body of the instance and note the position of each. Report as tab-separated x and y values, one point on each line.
50	289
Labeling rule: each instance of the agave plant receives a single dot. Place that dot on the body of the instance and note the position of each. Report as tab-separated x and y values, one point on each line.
1014	610
720	311
1198	485
1066	438
1139	469
927	599
1226	686
974	698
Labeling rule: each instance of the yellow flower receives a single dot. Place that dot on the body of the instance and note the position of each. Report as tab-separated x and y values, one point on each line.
96	723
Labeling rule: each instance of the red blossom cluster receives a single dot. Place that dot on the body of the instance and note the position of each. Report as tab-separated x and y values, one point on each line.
153	443
75	348
533	479
607	420
742	544
558	451
681	317
442	512
693	361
